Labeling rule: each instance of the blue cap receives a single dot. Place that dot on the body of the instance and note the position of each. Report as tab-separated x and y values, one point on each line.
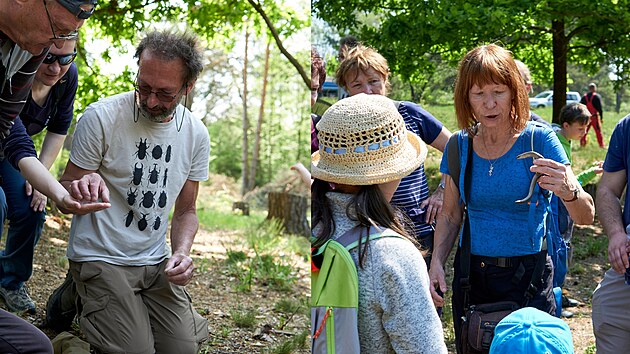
530	330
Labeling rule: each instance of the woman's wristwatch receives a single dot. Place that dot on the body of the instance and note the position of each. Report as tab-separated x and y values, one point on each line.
576	195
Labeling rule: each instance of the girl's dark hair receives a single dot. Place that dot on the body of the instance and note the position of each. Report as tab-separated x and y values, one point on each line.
372	209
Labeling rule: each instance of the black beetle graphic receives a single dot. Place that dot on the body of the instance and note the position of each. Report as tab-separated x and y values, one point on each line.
137	174
147	199
142	149
157	152
142	224
154	174
164	178
131	196
168	154
156	224
129	218
162	199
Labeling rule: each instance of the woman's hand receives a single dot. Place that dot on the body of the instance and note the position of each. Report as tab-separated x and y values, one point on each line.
556	177
437	283
38	201
433	206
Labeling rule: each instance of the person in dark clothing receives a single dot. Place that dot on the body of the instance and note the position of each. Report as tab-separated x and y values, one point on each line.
27	29
593	102
50	107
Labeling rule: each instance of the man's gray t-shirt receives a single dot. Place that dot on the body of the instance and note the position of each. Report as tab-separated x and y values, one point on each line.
145	165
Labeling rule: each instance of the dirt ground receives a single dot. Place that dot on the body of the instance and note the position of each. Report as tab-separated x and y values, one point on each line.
214	294
212	291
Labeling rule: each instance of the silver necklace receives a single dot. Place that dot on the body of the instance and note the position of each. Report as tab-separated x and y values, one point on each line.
490	162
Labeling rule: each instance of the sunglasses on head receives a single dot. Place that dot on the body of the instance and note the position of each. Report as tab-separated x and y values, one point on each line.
63	59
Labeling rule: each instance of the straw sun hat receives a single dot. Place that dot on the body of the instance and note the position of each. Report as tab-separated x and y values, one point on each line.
363	141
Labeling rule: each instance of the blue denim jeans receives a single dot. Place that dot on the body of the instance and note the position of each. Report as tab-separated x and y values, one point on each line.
25	228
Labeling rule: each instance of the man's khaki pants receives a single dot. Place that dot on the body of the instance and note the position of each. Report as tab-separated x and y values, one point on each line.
135	310
611	314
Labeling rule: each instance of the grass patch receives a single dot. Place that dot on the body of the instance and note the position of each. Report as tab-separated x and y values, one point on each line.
590	349
292	344
216	213
287	306
243	318
591	247
269	265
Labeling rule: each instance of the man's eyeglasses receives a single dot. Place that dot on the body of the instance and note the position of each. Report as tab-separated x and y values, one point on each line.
63	59
165	97
65	37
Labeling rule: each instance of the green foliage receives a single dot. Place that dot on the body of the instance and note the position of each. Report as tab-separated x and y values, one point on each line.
292	344
235	257
445	30
243	317
221	25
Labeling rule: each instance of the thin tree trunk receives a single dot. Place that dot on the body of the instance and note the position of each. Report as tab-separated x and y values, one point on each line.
274	33
245	169
560	48
261	114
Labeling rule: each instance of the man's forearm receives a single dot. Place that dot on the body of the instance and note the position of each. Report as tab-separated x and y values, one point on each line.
183	230
609	212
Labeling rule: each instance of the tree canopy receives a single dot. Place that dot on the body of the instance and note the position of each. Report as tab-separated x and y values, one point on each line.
544	34
116	27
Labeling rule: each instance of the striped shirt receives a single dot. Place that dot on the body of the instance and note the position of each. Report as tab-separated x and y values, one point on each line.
413	189
17	71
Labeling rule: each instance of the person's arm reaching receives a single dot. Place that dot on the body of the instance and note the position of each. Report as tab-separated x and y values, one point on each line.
184	225
609	191
37	174
50	149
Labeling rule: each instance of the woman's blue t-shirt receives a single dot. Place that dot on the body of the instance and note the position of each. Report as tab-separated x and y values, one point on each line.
499	226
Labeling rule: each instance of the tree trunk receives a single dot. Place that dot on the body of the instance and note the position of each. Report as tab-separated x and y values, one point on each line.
245	169
290	209
560	45
261	114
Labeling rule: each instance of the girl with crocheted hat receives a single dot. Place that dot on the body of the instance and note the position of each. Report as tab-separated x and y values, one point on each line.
364	152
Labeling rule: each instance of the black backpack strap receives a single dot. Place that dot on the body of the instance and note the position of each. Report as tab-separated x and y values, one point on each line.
452	157
465	249
532	289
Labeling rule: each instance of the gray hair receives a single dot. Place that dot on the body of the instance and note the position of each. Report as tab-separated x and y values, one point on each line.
172	45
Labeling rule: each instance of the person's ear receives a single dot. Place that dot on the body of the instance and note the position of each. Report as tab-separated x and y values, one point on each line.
189	86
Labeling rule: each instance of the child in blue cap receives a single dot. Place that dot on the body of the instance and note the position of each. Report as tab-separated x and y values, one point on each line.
530	330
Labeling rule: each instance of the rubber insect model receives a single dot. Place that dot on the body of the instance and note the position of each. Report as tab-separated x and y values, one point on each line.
532	184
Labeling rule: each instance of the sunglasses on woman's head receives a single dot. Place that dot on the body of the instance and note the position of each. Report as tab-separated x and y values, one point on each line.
63	59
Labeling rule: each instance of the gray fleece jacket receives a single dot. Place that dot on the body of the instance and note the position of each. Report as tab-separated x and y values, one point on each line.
396	313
